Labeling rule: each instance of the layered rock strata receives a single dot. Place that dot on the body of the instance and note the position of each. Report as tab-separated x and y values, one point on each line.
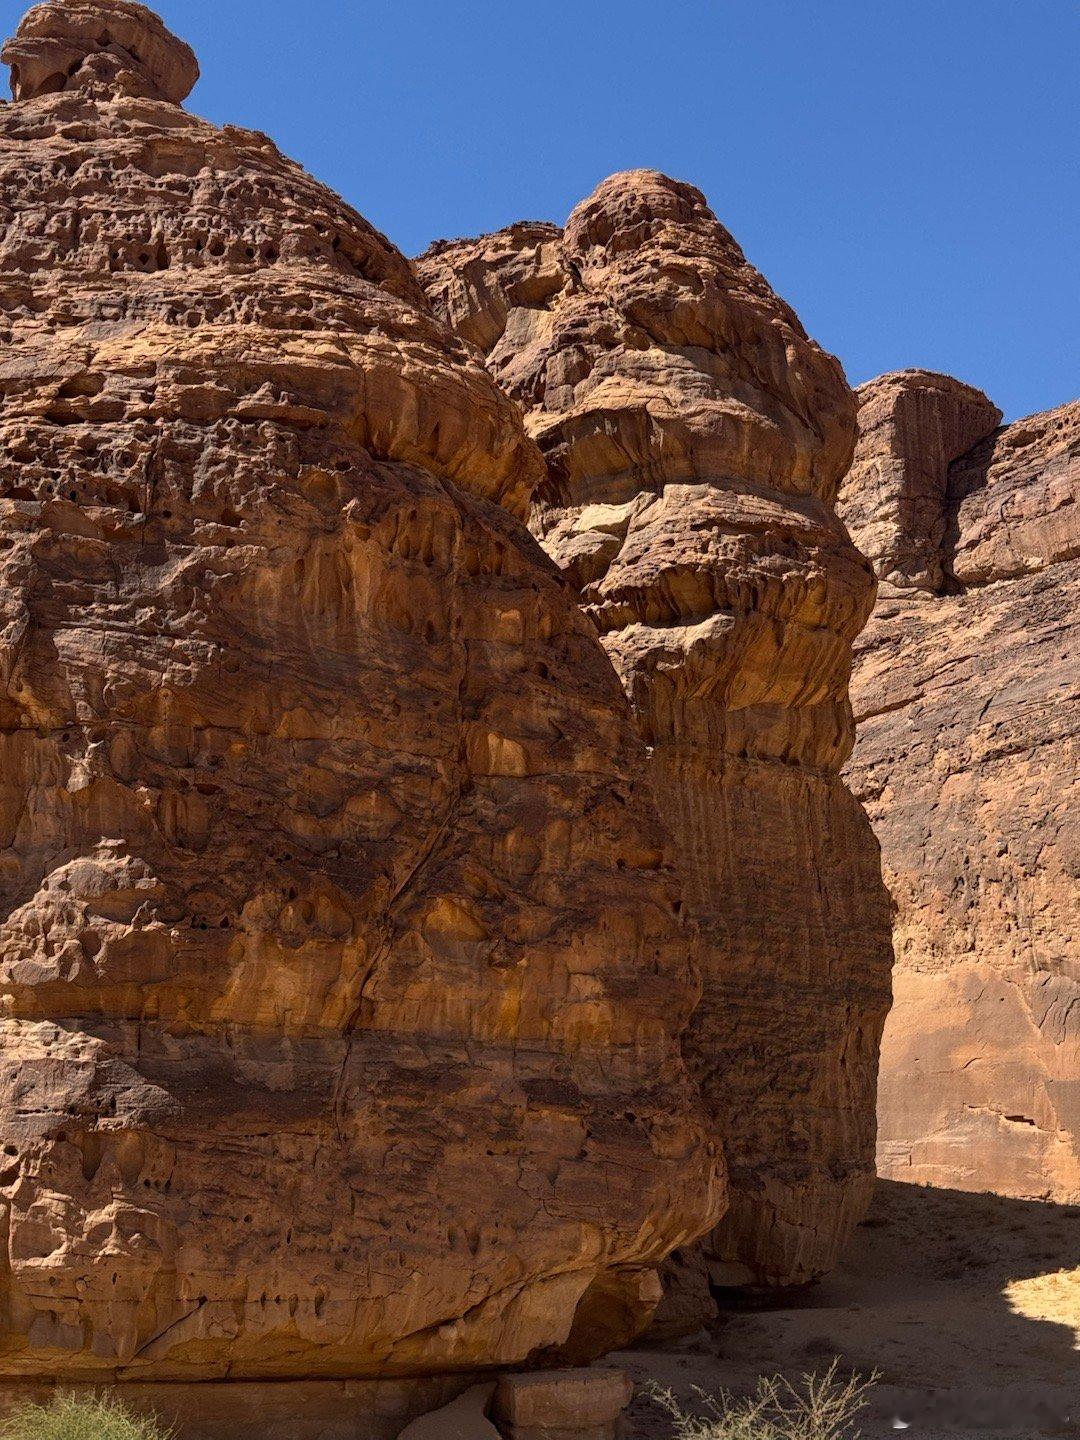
694	438
966	691
341	972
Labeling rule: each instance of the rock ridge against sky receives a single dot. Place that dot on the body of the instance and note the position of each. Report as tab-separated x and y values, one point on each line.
340	954
695	438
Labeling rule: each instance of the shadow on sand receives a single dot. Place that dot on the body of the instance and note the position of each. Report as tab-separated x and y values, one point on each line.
968	1307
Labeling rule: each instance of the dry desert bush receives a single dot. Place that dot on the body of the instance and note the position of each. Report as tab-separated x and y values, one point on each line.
67	1417
821	1407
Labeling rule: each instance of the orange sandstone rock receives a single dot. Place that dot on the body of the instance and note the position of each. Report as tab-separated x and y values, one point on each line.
912	426
695	438
967	687
341	976
563	1404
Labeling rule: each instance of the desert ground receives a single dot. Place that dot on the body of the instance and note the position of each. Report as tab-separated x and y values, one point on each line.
968	1307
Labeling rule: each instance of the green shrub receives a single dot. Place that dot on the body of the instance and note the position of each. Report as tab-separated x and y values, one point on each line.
67	1417
820	1408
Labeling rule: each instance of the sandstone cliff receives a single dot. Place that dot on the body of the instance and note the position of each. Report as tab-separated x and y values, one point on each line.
341	971
966	692
694	439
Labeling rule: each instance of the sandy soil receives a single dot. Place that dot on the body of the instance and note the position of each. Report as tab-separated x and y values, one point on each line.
967	1305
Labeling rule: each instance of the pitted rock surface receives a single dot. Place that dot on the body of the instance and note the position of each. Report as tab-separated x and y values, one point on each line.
339	954
967	690
695	438
101	47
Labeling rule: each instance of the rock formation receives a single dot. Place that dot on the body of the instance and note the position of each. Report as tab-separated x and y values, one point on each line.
341	971
912	426
694	439
966	693
563	1405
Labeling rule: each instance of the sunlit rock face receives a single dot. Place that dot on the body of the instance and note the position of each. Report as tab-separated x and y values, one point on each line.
967	687
340	962
694	438
912	425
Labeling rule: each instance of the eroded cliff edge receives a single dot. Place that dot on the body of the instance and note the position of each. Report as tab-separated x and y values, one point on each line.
694	438
339	950
967	694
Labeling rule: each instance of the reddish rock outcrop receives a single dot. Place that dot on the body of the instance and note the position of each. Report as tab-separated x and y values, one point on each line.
341	973
694	439
966	693
912	426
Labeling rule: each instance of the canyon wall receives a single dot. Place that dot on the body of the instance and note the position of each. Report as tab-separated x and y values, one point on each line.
341	968
967	695
694	438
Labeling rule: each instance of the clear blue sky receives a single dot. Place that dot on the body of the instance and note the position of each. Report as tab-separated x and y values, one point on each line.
905	172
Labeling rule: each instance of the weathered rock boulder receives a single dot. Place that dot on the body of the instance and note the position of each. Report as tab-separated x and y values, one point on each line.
101	48
341	975
966	693
563	1405
694	439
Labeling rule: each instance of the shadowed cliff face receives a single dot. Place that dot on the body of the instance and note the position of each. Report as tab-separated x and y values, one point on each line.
339	953
694	439
966	688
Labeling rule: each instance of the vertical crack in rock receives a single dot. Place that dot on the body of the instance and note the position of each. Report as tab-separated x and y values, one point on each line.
967	684
695	438
343	980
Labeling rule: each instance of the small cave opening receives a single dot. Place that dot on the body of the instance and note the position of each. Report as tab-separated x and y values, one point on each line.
50	85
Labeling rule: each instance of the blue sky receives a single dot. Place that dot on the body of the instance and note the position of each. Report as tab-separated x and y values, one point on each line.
899	169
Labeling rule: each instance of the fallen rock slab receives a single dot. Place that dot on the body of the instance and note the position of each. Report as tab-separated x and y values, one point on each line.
562	1405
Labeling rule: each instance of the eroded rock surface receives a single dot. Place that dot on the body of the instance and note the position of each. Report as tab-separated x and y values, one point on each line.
966	692
912	426
694	439
339	954
562	1405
